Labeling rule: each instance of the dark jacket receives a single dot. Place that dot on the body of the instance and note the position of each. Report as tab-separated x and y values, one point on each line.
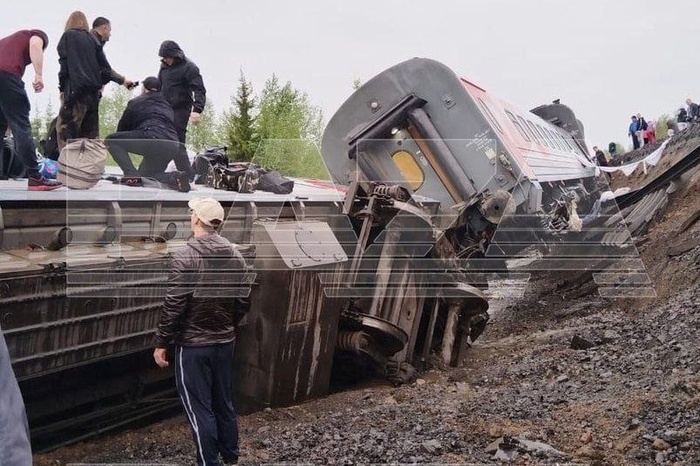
693	111
642	124
205	299
634	127
83	65
113	75
181	83
149	113
601	159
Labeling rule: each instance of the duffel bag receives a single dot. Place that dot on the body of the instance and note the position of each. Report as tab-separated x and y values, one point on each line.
272	181
210	157
240	177
82	163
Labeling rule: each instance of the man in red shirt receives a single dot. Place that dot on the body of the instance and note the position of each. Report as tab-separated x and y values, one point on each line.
16	52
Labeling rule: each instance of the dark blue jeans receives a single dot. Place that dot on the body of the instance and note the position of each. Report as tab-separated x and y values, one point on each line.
204	378
14	112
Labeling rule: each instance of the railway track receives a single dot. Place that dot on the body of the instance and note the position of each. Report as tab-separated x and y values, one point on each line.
77	429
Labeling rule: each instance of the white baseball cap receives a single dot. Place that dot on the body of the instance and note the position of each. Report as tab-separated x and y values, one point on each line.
208	210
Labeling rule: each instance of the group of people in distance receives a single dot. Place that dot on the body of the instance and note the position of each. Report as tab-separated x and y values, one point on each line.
153	125
689	115
641	131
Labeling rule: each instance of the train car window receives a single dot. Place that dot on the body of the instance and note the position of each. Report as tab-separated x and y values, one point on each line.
561	140
523	123
409	168
555	138
520	129
533	130
489	115
568	144
549	137
566	138
545	139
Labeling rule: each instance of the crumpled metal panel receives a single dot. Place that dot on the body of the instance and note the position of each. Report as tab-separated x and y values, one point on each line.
286	343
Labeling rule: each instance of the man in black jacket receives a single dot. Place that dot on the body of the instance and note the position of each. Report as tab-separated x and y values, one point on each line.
184	89
600	157
202	309
146	128
693	113
83	71
102	31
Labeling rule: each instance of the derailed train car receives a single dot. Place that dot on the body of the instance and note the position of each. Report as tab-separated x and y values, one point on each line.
362	274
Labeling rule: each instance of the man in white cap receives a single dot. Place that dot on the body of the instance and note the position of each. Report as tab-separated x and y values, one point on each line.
204	303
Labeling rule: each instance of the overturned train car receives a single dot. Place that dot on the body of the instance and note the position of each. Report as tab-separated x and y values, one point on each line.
360	275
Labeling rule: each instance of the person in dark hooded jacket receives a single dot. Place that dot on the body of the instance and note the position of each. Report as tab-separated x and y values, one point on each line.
183	88
146	128
206	298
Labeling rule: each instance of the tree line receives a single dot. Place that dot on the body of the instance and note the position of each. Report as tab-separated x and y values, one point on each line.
279	128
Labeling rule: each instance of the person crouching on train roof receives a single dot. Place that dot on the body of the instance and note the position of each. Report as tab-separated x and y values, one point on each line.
146	128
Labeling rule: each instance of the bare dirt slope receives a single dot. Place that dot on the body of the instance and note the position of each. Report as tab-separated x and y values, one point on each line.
632	397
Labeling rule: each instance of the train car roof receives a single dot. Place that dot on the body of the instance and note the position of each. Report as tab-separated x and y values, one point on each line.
105	190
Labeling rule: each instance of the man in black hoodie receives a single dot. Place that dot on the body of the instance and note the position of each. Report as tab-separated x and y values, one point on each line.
146	128
205	300
183	88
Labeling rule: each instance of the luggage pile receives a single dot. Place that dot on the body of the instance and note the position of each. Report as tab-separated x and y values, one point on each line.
214	170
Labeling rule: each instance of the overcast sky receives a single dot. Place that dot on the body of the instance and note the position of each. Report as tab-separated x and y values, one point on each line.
606	59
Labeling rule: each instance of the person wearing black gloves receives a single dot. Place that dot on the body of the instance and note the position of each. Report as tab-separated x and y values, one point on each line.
146	128
183	88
